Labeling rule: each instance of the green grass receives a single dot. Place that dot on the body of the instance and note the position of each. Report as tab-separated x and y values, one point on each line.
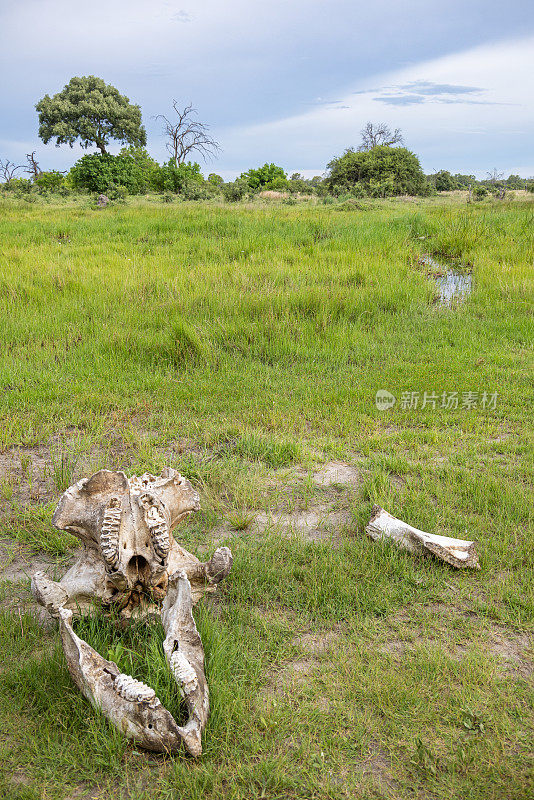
244	346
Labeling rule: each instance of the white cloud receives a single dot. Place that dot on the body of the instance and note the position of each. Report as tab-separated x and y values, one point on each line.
489	106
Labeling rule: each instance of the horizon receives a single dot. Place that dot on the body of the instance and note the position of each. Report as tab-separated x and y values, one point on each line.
292	86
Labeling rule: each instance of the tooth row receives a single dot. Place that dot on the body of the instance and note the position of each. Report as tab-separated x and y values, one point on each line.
135	691
109	534
160	539
154	511
183	671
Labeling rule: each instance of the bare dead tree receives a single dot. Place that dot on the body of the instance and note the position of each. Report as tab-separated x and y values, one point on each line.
495	176
8	170
375	135
33	167
186	135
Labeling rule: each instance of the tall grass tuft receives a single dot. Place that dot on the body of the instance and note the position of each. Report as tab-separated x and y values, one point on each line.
272	451
186	345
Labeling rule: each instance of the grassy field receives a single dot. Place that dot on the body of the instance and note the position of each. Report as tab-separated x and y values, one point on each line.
244	346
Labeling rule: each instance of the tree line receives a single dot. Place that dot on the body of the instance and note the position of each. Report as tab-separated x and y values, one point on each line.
92	113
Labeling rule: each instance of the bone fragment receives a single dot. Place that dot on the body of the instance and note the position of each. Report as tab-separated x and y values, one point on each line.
457	552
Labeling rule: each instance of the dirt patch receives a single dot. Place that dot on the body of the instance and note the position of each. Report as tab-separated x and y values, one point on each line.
337	472
319	642
16	564
378	766
513	652
84	793
397	481
315	524
25	475
516	652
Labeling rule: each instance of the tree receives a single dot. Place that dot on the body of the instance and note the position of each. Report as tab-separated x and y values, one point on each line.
8	170
379	135
443	181
495	176
33	167
186	135
267	177
380	172
93	112
104	173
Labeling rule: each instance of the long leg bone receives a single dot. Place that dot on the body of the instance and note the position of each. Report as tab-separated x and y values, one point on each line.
457	552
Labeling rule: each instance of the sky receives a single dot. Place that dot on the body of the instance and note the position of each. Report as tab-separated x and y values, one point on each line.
289	81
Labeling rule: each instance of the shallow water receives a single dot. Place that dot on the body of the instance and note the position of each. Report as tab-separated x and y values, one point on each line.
453	284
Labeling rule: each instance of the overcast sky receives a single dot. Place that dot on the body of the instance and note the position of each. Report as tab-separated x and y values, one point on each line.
289	81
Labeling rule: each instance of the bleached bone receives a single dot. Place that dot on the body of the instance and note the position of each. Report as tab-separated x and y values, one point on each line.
185	657
129	554
128	704
129	550
457	552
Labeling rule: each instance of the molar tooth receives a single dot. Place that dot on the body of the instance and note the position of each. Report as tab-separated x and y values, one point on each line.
183	671
135	691
109	533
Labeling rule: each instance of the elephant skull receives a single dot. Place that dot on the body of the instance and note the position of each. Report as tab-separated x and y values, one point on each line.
132	565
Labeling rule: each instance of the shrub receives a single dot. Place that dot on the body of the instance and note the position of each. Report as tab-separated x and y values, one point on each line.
443	181
196	191
235	191
101	173
267	177
178	178
18	185
49	181
480	192
148	167
215	179
118	194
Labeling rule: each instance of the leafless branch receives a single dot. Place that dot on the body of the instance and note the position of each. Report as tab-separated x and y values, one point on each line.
33	167
494	176
8	170
379	134
186	135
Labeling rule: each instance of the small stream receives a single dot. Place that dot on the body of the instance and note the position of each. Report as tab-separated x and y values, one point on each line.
452	283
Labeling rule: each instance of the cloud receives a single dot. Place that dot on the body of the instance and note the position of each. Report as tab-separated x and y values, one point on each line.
423	91
427	87
437	121
400	99
181	16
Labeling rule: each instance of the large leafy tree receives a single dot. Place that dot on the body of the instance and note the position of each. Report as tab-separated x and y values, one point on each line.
92	111
381	171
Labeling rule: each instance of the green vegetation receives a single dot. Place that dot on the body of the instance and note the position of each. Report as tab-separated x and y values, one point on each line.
379	172
244	345
92	111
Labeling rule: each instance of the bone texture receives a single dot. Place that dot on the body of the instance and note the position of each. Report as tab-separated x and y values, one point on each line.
456	552
129	550
132	565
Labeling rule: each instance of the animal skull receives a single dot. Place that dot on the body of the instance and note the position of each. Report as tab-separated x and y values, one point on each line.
132	564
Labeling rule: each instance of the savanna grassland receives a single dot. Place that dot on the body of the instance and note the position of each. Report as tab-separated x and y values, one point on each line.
244	345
